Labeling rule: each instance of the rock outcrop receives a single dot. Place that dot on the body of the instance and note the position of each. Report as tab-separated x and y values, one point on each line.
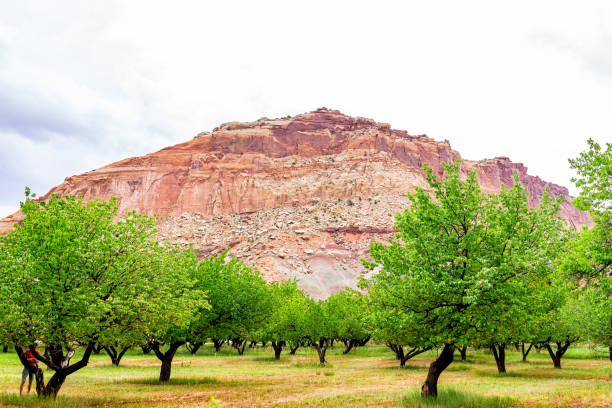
297	197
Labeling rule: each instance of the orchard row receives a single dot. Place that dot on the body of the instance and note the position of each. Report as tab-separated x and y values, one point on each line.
465	269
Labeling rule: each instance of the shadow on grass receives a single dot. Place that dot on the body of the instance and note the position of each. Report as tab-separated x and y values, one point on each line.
406	367
15	400
176	381
266	359
468	360
211	352
540	373
458	367
450	398
542	363
495	374
310	364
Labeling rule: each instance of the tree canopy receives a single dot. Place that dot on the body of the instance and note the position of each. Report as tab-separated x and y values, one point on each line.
588	259
73	275
457	257
240	301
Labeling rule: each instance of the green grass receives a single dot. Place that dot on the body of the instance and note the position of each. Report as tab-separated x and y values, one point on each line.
458	367
174	381
367	377
60	402
451	398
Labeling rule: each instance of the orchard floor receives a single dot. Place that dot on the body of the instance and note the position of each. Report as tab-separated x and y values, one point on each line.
367	377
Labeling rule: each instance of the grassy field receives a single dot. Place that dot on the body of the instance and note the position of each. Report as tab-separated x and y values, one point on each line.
369	377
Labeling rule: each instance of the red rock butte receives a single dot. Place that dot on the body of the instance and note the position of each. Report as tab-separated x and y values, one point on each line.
298	197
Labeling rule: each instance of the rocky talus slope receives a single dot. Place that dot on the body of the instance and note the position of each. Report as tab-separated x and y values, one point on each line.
297	197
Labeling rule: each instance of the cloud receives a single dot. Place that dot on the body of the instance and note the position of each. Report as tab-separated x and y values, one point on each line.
83	84
595	55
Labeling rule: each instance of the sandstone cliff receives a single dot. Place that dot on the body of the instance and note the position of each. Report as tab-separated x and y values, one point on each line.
297	197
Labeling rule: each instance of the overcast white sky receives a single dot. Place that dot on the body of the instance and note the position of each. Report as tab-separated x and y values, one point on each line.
83	84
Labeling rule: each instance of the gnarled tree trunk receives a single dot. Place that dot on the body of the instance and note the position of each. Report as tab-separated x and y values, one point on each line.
60	364
363	341
397	349
194	347
558	354
463	353
218	343
430	387
293	349
348	345
114	354
411	353
239	345
321	347
278	348
525	352
354	343
166	358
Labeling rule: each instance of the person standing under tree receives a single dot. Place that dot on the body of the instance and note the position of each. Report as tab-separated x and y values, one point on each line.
27	372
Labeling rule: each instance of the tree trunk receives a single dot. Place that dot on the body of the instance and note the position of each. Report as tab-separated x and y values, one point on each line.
321	352
321	348
218	343
499	352
54	385
239	345
293	349
40	381
430	387
525	353
114	356
348	346
194	347
557	355
146	349
362	342
59	363
166	359
463	352
411	353
166	370
5	348
556	361
278	348
397	349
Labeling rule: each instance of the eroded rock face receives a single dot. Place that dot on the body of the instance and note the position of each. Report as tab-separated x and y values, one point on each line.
297	197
